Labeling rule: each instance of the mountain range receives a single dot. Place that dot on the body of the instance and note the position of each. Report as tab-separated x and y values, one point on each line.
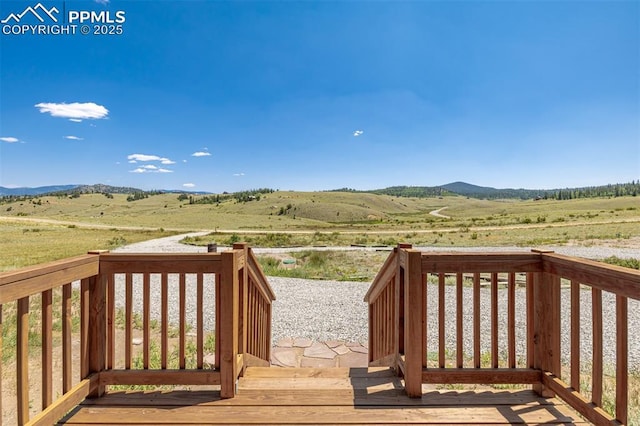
454	188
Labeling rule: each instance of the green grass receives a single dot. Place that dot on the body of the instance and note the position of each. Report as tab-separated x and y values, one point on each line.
31	244
326	265
321	211
627	263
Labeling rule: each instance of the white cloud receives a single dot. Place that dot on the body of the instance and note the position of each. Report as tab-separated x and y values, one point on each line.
145	157
74	111
74	138
75	120
358	133
238	174
201	154
149	168
189	185
9	139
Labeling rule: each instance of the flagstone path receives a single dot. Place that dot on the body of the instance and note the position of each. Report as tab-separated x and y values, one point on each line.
300	352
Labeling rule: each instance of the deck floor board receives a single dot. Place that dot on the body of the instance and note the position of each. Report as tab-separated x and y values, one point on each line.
316	396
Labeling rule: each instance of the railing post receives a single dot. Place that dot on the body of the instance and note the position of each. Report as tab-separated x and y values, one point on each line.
398	345
97	326
546	337
228	323
243	298
414	319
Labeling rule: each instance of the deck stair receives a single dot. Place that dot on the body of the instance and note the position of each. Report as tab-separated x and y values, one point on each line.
373	395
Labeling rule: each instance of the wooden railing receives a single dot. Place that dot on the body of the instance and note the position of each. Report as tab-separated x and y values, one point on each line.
514	325
229	286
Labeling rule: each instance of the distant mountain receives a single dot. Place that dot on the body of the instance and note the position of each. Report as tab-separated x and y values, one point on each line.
100	188
83	189
475	191
455	188
35	191
485	192
413	191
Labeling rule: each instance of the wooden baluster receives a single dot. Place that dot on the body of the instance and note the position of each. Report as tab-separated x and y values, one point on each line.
399	283
459	324
476	320
268	319
111	315
47	348
596	381
530	321
164	320
1	393
67	329
218	304
146	319
200	320
622	362
511	319
441	319
128	327
84	328
575	335
494	320
22	361
182	322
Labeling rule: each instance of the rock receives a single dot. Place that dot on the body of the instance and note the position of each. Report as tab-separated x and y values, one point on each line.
284	357
302	343
319	350
341	350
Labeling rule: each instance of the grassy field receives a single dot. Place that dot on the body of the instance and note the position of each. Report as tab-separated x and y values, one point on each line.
34	243
48	228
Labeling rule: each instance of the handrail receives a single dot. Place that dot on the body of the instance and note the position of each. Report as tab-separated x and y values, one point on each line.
384	310
230	284
536	279
17	287
25	282
616	279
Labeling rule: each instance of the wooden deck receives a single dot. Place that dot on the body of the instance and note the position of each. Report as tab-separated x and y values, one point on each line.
322	396
231	287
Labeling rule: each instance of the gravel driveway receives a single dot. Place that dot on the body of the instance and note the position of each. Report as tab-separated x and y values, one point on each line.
327	310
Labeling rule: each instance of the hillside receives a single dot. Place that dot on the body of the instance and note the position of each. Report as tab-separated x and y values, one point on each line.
35	191
484	192
455	188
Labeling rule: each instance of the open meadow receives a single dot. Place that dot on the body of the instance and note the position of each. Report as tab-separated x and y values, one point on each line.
42	229
50	227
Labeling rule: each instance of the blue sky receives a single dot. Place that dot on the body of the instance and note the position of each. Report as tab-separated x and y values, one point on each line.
226	96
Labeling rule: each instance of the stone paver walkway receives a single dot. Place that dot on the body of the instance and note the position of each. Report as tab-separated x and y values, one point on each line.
300	352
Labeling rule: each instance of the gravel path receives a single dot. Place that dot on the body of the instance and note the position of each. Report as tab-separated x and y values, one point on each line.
326	310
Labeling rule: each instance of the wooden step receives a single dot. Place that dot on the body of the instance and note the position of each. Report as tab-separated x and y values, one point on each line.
299	396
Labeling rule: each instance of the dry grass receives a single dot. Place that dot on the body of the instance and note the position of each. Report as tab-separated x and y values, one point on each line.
31	244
